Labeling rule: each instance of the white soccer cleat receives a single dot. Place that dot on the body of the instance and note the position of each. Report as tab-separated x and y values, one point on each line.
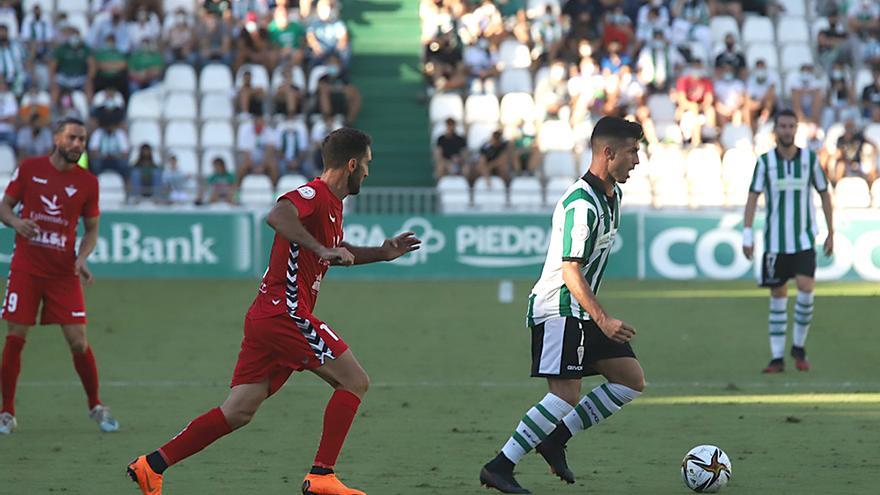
101	415
7	423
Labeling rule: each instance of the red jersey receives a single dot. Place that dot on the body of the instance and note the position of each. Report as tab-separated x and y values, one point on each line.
293	278
695	88
55	200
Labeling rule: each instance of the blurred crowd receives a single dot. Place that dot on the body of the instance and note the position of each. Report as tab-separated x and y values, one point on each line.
511	80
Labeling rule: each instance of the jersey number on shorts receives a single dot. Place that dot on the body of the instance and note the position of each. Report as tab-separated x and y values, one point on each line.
11	302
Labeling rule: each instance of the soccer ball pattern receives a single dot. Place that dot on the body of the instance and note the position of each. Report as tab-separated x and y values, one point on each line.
706	469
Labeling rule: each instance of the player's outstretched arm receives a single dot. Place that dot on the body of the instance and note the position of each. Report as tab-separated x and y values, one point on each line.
390	250
25	227
748	221
284	219
615	329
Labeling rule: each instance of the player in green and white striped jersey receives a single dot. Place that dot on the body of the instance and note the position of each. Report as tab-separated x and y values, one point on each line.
572	335
785	176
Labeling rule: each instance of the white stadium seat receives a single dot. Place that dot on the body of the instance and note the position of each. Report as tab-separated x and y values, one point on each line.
297	77
762	51
180	77
793	8
736	136
864	78
144	105
179	106
290	182
490	194
662	108
795	55
555	135
455	194
516	107
559	164
513	54
217	134
145	131
80	21
666	161
526	193
187	160
81	6
703	163
216	106
515	81
832	135
792	30
259	76
721	25
852	192
637	191
169	6
256	190
478	134
112	190
481	108
736	164
671	192
215	78
556	187
48	6
758	29
181	134
872	133
445	106
819	24
8	161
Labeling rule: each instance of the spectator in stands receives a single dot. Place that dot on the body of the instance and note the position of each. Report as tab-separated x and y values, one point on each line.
495	157
8	115
841	97
214	40
855	156
70	65
287	36
483	21
658	62
691	23
761	90
108	107
437	18
552	95
109	67
444	68
253	44
34	139
221	183
614	59
217	8
695	101
578	14
619	28
652	22
37	102
586	90
526	154
111	25
144	27
12	68
328	35
871	96
256	146
288	97
145	65
336	94
250	98
146	175
450	153
731	56
293	151
482	67
513	17
833	42
730	95
864	18
807	94
547	35
108	150
179	39
37	34
175	183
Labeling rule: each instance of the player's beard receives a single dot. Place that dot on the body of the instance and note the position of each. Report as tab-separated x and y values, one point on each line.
354	183
783	143
70	156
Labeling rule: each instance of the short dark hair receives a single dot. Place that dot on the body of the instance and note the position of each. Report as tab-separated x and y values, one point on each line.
62	123
785	112
615	129
342	145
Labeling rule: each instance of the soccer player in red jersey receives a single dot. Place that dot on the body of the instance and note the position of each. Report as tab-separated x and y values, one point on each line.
281	333
54	192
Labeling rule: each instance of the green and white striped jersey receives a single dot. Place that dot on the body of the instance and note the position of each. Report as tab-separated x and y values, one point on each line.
791	217
584	225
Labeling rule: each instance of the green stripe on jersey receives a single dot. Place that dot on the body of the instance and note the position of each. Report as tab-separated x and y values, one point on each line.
566	233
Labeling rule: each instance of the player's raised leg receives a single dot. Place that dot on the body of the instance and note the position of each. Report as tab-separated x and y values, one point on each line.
803	317
87	369
236	411
777	325
350	382
9	371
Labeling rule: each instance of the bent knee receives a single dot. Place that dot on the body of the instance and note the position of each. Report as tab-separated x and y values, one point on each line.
357	385
239	417
78	346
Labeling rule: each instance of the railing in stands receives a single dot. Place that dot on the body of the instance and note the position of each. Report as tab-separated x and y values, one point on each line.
394	201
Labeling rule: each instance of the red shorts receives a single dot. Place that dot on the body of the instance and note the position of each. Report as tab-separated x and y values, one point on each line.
277	346
62	299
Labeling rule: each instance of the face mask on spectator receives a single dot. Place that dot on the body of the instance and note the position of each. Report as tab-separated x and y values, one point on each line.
142	16
837	75
181	18
657	3
74	40
324	12
761	75
557	72
250	26
333	70
806	75
728	76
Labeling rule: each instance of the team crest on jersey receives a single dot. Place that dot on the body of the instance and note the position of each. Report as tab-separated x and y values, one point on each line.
70	190
306	192
580	232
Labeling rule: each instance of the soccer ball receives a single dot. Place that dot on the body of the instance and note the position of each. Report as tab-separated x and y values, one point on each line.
706	469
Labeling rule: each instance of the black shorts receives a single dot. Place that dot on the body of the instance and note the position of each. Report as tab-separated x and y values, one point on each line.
567	347
779	268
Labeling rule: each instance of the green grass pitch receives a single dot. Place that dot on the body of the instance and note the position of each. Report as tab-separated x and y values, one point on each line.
449	366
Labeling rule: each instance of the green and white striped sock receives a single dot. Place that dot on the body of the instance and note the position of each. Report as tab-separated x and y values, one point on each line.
803	316
598	405
778	323
537	423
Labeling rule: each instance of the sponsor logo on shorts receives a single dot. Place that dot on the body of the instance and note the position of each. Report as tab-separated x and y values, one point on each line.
78	314
572	367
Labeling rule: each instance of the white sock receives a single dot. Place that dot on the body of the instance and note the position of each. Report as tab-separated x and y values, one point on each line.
537	423
803	316
598	405
778	325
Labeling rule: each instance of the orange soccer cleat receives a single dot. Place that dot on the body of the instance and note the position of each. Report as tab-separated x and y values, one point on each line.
149	481
326	484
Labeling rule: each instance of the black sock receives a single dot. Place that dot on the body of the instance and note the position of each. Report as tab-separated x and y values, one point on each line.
320	471
561	435
501	463
157	462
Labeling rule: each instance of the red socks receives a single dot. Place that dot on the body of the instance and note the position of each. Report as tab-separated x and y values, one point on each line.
197	435
338	416
9	371
85	365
